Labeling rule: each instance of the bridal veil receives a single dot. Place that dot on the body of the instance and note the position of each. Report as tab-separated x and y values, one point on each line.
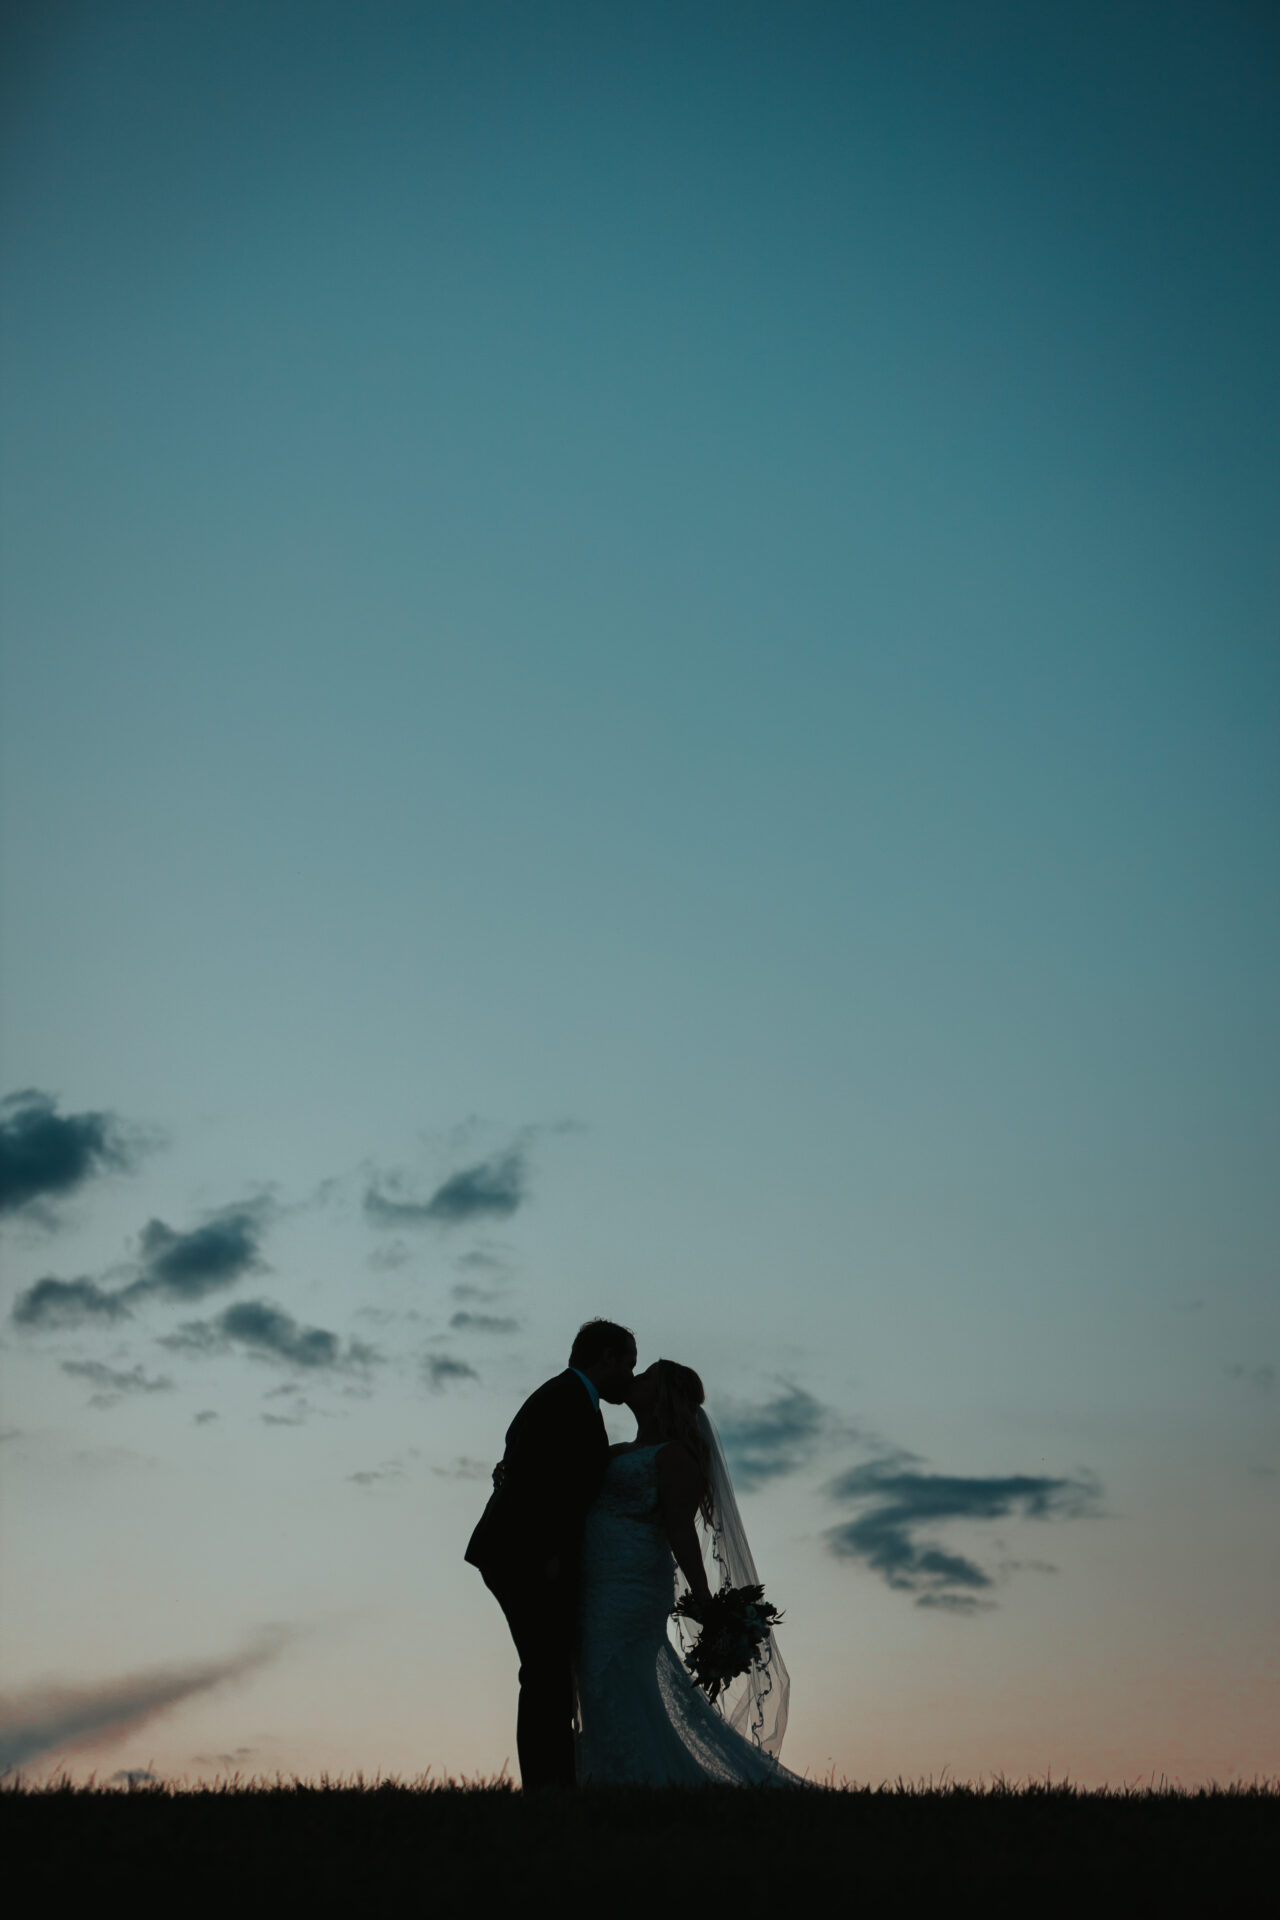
755	1704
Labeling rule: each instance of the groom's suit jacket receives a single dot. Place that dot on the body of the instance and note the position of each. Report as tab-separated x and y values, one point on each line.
556	1454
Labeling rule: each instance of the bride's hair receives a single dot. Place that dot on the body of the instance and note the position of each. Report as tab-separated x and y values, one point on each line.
675	1412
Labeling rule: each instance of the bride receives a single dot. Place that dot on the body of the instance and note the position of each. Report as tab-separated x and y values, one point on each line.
641	1719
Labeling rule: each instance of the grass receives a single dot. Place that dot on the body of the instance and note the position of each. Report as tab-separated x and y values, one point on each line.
448	1846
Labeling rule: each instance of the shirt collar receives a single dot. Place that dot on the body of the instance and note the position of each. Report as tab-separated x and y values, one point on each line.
590	1386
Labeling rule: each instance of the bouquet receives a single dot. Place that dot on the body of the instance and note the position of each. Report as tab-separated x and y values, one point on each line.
735	1627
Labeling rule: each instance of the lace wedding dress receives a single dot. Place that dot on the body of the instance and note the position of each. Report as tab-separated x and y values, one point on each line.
641	1718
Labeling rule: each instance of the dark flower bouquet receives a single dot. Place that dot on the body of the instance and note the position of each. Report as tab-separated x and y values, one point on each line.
735	1627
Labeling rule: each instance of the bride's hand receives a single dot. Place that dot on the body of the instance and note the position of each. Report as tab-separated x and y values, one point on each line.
679	1491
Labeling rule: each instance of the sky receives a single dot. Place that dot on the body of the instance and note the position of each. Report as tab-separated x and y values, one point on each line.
641	678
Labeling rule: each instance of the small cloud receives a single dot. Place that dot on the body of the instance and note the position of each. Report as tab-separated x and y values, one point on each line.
764	1442
46	1156
222	1250
297	1416
389	1470
1260	1379
236	1758
67	1303
133	1777
58	1718
440	1370
387	1259
174	1266
478	1261
268	1333
492	1189
113	1382
898	1501
464	1468
205	1415
483	1323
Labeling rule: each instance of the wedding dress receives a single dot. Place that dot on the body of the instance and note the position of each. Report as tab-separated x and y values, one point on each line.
641	1718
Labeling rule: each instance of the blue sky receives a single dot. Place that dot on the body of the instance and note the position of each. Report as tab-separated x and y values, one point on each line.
678	606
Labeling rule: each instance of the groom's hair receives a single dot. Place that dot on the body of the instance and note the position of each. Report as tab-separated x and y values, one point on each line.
596	1337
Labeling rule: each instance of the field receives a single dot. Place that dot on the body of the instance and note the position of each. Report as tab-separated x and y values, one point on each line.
452	1847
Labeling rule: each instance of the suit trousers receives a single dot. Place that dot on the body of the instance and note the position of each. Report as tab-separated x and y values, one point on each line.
541	1615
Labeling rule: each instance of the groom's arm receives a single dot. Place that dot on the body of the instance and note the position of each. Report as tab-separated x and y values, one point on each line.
551	1470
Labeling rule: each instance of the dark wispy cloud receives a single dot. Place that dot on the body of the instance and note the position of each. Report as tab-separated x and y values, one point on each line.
183	1267
67	1303
222	1250
1261	1378
898	1501
233	1760
46	1156
440	1370
369	1476
205	1415
298	1415
389	1258
55	1719
462	1467
492	1189
114	1382
466	1322
269	1333
775	1437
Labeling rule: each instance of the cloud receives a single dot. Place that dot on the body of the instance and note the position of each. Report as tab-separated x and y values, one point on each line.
57	1718
462	1467
236	1758
484	1323
134	1777
218	1253
67	1303
764	1442
47	1156
269	1333
205	1415
440	1370
388	1259
367	1476
898	1500
173	1266
492	1189
112	1382
1261	1379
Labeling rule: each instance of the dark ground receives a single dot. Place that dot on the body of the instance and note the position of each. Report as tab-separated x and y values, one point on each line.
453	1848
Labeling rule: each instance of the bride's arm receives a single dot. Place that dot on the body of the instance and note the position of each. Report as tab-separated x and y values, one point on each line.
679	1490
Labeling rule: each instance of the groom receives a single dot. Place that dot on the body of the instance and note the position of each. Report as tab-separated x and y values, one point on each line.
528	1540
